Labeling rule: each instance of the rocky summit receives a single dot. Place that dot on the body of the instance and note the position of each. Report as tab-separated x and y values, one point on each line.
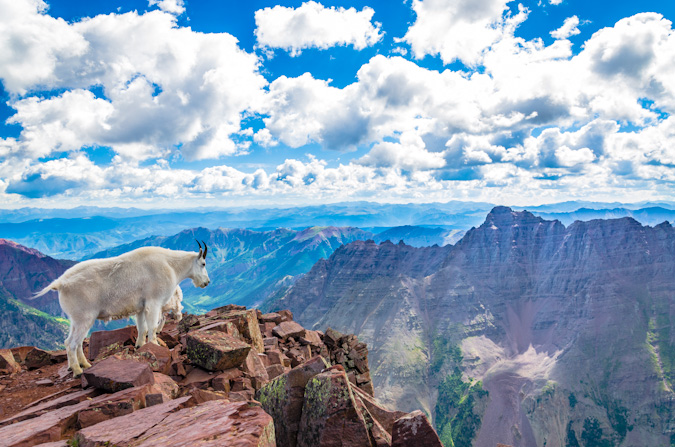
525	332
231	377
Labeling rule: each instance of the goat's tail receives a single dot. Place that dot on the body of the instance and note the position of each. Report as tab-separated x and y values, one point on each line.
53	286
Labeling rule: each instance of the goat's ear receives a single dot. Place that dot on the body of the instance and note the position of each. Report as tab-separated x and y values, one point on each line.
205	250
200	248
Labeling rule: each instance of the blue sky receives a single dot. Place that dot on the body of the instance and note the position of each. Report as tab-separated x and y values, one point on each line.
169	102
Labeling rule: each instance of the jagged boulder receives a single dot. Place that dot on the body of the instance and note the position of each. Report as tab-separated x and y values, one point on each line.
113	374
283	399
7	363
246	322
215	350
101	340
414	430
287	329
329	414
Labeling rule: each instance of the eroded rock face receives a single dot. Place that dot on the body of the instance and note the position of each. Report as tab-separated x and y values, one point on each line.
329	414
542	312
283	398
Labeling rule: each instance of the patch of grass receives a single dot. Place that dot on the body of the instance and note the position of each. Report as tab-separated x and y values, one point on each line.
456	419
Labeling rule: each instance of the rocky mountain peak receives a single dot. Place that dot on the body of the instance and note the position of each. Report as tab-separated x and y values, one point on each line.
503	216
13	245
231	377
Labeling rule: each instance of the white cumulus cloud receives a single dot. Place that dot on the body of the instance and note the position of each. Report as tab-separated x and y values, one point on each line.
460	29
163	88
313	25
171	6
569	28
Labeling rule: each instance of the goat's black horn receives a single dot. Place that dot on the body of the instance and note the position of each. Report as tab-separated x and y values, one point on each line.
205	250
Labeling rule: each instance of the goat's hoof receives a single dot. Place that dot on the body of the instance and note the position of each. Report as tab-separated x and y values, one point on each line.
85	365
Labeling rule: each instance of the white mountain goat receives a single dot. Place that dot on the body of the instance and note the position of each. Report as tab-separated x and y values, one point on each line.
140	282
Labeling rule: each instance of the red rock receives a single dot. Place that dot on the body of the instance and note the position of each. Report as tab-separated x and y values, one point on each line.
241	396
37	358
379	436
20	352
113	405
222	381
332	337
414	430
287	329
330	416
246	322
168	338
58	356
113	375
275	357
266	329
241	384
271	317
158	357
188	322
197	378
201	396
213	350
265	361
164	385
271	343
311	338
44	382
154	399
227	309
283	399
211	424
274	371
223	326
125	429
255	368
54	404
102	339
385	417
286	315
7	363
49	427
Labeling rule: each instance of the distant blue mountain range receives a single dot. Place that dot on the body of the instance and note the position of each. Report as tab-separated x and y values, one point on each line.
80	232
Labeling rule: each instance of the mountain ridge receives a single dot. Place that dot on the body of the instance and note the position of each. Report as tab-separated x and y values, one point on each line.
563	326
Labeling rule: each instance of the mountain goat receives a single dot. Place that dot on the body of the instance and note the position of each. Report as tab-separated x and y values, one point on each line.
140	282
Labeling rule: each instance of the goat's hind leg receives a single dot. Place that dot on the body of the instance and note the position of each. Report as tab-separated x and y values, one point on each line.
74	346
72	356
83	361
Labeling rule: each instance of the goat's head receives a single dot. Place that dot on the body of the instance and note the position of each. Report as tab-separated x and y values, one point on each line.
200	278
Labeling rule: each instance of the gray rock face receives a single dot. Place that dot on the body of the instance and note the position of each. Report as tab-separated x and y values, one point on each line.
561	325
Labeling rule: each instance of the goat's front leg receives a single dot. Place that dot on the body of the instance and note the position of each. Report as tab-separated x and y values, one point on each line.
153	317
141	325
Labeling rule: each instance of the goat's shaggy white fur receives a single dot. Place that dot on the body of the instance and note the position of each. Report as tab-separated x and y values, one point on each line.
140	282
174	307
